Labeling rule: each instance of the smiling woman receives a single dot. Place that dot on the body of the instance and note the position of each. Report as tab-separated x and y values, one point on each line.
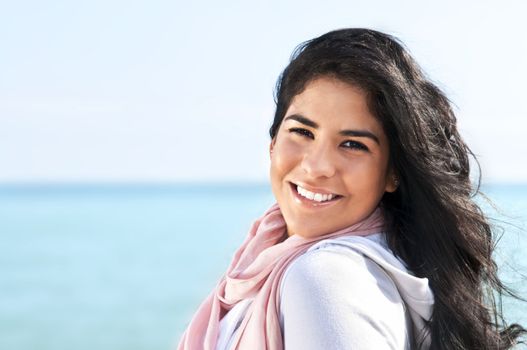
375	241
329	144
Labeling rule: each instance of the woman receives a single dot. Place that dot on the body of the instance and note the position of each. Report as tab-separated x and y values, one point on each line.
375	241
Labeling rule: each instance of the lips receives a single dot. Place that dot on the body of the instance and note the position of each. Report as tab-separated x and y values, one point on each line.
317	200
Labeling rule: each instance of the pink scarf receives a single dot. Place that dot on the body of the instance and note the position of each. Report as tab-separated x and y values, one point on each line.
255	272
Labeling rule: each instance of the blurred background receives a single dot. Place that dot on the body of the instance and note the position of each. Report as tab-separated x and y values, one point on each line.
134	147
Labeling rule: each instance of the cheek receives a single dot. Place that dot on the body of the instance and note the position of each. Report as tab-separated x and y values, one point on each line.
365	176
286	155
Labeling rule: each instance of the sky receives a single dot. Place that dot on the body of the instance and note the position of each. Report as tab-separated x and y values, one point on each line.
167	91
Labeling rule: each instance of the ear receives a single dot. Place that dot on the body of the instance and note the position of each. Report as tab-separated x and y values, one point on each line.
271	147
392	181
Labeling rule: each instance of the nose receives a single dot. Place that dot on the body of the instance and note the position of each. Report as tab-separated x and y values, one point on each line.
318	161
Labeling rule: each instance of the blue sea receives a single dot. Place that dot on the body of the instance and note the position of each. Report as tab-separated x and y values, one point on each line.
125	266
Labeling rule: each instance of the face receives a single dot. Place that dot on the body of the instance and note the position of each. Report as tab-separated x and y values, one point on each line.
329	159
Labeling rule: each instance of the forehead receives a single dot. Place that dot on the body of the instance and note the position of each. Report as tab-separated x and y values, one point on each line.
331	102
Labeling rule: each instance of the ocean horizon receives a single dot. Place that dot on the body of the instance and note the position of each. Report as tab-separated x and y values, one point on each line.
125	265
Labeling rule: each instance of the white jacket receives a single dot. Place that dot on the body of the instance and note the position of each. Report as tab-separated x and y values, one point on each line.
345	293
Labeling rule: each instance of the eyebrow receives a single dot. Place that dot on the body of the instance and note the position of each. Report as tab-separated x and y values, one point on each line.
357	133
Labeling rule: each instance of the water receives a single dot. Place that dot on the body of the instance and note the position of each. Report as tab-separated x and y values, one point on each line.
124	267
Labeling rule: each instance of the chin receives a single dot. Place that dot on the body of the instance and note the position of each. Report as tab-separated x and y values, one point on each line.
308	231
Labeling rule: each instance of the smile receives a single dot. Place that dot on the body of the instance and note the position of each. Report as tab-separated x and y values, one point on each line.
310	198
318	197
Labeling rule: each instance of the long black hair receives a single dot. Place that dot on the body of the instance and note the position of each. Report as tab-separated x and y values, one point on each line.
433	222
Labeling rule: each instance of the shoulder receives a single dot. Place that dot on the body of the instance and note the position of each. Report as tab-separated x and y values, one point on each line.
342	297
330	268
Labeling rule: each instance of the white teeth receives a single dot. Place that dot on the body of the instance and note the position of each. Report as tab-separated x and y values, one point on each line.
318	197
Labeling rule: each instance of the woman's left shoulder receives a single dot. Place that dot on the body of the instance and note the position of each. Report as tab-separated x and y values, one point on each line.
342	296
341	264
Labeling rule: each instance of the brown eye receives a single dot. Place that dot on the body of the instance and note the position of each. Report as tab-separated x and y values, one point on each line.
301	131
355	145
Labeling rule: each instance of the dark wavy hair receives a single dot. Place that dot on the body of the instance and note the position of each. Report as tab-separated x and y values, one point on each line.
434	225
